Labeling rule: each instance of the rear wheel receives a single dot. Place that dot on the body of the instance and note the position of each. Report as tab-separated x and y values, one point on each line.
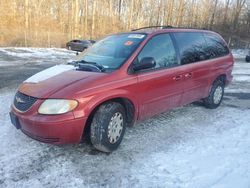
108	127
215	95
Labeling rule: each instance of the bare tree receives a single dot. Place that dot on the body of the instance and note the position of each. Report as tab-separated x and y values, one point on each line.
213	14
53	22
93	18
26	12
226	11
237	11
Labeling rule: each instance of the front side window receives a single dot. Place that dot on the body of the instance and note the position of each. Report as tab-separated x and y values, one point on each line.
112	51
191	46
161	49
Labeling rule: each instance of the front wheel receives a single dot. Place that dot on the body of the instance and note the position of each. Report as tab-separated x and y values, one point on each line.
108	127
215	95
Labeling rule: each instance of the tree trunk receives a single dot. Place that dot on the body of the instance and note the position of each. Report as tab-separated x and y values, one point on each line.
226	11
76	20
93	19
213	14
180	13
26	12
238	8
86	18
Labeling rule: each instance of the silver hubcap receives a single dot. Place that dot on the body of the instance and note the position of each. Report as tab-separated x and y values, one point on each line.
218	95
115	127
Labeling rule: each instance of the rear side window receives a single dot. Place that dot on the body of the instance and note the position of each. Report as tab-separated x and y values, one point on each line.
215	47
161	48
191	47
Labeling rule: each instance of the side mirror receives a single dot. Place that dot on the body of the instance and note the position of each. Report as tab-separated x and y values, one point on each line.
145	63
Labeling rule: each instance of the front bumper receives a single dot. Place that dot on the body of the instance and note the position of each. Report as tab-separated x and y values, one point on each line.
54	129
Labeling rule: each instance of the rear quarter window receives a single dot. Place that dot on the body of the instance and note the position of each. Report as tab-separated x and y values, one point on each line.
191	46
215	47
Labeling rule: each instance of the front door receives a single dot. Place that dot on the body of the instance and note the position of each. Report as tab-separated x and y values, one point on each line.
160	88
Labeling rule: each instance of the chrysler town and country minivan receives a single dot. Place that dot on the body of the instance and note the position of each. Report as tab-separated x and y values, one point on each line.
121	79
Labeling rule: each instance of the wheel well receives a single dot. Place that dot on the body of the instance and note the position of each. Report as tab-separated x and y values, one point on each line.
222	78
126	103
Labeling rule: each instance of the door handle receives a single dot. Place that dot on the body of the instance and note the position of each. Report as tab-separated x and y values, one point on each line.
188	75
177	78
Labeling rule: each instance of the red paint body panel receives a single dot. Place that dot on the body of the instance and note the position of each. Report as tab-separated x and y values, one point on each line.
150	92
56	129
158	92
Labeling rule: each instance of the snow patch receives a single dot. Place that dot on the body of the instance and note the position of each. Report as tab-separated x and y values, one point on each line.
36	52
242	78
48	73
239	53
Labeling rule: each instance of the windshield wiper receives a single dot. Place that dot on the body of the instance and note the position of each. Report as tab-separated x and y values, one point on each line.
83	62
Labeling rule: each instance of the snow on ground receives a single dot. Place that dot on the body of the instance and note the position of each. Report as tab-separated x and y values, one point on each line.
190	146
16	56
240	53
241	72
36	52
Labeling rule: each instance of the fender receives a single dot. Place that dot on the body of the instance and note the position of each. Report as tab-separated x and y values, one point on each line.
88	104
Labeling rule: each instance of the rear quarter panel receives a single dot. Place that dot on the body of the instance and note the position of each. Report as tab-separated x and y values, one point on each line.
221	66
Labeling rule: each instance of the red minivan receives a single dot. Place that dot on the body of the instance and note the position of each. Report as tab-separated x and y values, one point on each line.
121	79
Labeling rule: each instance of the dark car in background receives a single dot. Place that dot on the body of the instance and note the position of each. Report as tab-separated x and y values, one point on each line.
79	45
248	57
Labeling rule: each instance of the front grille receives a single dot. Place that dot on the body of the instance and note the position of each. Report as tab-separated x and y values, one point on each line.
23	102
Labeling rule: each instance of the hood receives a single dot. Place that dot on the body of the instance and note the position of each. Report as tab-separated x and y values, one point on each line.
49	81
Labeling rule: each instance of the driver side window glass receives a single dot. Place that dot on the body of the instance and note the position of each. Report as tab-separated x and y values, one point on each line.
161	49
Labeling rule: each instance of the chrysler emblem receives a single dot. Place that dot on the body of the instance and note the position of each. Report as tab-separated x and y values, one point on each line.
19	100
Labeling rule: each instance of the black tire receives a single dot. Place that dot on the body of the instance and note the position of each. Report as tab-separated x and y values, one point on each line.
100	126
210	101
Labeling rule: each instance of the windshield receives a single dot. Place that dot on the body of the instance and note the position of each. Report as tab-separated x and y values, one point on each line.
112	51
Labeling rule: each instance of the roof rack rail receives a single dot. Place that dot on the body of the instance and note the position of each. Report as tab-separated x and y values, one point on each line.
166	27
154	26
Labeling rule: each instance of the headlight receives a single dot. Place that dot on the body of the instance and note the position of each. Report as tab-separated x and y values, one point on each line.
57	106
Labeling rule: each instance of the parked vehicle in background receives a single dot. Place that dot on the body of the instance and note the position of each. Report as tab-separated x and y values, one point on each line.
92	41
123	78
248	57
79	45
